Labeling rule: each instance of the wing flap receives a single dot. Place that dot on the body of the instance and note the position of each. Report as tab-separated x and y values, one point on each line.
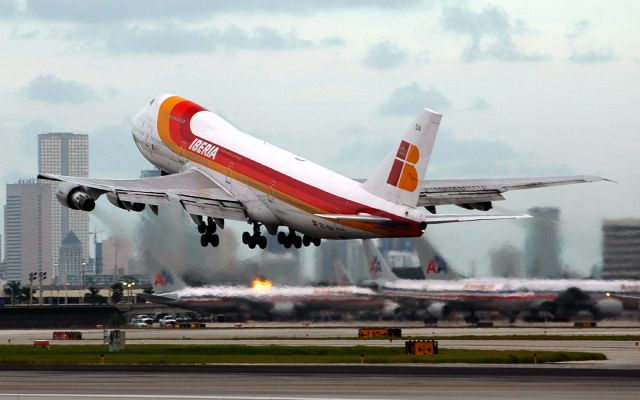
223	206
156	199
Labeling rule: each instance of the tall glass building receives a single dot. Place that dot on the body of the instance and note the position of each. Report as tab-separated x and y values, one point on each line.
65	153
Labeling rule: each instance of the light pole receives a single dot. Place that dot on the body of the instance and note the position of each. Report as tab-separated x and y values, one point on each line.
55	282
41	276
32	277
84	264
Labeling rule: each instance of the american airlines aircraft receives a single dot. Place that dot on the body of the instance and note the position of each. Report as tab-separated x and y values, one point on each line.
217	172
561	298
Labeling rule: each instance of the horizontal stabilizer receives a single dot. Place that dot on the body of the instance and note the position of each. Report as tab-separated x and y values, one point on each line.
359	218
447	218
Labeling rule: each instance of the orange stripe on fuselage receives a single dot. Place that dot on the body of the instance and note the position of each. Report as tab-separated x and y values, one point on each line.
174	120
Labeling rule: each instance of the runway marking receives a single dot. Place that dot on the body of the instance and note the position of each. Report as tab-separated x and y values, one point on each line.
167	396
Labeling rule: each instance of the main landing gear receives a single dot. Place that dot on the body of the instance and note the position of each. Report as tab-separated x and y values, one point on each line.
208	231
255	239
291	239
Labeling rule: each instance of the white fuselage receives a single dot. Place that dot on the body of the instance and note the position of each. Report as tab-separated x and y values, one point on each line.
275	186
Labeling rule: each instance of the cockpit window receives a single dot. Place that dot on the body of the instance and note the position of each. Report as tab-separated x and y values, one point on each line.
151	102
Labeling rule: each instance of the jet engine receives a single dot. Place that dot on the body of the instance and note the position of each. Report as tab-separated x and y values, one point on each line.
438	310
284	310
75	197
125	205
608	308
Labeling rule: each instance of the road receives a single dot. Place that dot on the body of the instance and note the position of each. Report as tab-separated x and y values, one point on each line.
319	382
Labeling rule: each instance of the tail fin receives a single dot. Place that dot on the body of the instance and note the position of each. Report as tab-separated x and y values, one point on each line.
342	276
378	267
399	177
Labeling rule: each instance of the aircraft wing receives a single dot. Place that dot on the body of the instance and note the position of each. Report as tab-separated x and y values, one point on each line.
196	192
473	191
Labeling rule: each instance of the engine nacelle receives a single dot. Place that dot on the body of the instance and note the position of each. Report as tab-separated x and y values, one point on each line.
284	309
438	310
75	197
125	205
608	308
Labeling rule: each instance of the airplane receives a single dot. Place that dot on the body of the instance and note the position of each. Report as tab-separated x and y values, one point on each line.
436	299
560	298
262	300
216	172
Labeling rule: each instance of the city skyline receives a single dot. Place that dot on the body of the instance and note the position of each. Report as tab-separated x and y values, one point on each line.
525	88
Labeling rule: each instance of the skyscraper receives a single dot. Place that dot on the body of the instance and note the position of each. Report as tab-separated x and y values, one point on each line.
542	246
65	153
621	249
27	227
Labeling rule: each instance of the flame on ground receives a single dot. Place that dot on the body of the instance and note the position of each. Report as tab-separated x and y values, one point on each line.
261	284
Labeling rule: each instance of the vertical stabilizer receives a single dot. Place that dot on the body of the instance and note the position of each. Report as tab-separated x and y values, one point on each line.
401	174
378	267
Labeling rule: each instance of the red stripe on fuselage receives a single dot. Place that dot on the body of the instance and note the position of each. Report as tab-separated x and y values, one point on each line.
319	200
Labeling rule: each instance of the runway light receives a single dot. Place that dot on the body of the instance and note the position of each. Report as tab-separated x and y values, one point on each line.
261	284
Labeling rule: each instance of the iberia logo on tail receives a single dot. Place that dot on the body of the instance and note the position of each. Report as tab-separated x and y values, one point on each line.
403	174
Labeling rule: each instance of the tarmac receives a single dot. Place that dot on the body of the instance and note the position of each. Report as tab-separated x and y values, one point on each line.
615	378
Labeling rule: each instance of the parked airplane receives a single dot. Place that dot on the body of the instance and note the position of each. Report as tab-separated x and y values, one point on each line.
435	299
217	172
263	300
557	298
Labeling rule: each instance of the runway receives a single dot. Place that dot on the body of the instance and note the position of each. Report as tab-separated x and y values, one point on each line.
615	378
620	354
318	382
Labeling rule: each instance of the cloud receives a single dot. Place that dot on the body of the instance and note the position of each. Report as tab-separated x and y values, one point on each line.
53	90
491	34
82	11
169	38
479	104
452	157
8	8
112	153
385	55
580	47
409	100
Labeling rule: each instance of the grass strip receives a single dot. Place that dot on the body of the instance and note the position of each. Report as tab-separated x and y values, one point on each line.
274	354
617	338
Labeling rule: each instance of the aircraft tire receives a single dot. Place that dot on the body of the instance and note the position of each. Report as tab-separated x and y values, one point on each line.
204	240
282	237
316	241
215	240
262	242
202	228
246	238
287	244
306	241
297	242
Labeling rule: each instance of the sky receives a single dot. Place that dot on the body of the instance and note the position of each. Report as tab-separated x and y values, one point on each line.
526	88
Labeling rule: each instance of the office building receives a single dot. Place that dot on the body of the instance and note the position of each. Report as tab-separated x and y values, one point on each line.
65	153
621	249
27	227
542	246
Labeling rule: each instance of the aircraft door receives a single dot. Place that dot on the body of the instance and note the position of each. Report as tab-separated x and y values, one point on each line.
229	172
271	191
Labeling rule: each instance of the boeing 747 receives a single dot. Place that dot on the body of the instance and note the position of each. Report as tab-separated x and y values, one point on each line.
216	172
